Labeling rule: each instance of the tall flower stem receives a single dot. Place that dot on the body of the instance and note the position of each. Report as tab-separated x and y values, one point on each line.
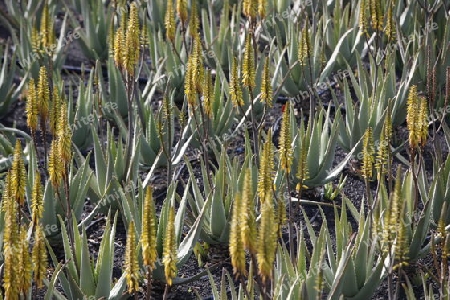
149	283
130	93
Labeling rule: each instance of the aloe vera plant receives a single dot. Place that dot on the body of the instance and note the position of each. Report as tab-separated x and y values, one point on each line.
6	150
222	293
217	40
438	189
151	143
83	115
356	268
302	280
315	147
289	72
168	61
94	33
220	190
8	90
147	108
113	91
16	10
133	209
344	40
111	173
156	11
336	45
79	179
217	124
374	100
84	278
36	49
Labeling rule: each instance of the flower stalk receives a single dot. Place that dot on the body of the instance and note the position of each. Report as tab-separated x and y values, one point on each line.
170	251
131	260
148	237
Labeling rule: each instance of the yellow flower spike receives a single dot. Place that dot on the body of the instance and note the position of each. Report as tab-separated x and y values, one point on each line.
363	16
395	205
10	238
131	260
286	149
169	21
401	244
266	166
35	40
208	93
388	124
170	251
144	35
250	8
262	8
132	43
423	121
119	47
24	263
182	10
148	236
395	231
198	72
381	157
43	95
368	151
194	23
266	86
235	85
376	15
167	108
46	29
267	239
415	118
383	153
236	244
248	64
18	175
302	170
7	195
304	48
64	135
32	107
39	257
123	19
281	215
189	86
8	206
377	231
10	272
51	32
247	221
390	25
387	236
55	110
37	204
55	165
111	40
